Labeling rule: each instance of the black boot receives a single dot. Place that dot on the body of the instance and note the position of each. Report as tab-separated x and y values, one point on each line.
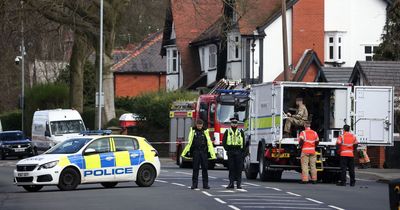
230	186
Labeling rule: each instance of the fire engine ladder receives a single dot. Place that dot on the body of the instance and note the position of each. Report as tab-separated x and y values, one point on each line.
320	161
223	85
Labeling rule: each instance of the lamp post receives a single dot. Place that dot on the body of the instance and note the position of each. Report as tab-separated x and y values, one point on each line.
22	50
101	63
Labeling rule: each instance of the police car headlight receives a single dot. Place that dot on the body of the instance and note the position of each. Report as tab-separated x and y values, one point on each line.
48	165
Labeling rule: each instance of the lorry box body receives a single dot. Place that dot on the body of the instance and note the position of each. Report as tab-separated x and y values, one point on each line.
368	110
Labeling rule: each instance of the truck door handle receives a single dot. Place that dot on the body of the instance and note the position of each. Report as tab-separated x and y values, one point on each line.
109	158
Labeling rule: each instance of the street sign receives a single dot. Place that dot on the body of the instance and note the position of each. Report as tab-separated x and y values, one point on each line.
101	100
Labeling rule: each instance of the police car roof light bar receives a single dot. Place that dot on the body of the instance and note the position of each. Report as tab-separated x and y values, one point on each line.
96	132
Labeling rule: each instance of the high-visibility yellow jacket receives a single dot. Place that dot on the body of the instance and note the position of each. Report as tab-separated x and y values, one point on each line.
186	151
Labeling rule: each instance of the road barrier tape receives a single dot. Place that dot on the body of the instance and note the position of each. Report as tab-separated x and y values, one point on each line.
162	142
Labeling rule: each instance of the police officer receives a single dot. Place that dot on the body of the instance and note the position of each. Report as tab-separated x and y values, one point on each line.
234	145
308	142
201	149
346	145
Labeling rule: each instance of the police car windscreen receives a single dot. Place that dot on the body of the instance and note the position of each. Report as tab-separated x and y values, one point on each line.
69	146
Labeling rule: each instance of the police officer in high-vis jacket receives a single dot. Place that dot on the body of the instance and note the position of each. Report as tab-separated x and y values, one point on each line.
235	146
201	149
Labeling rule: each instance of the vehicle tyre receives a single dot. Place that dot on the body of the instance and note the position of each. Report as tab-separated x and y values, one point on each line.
264	175
32	188
146	176
109	184
250	170
69	179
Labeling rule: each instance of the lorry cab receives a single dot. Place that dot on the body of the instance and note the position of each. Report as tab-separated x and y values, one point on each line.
50	127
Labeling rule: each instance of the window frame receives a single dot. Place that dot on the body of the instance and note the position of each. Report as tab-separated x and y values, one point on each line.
234	47
369	56
133	140
334	46
170	60
99	139
212	57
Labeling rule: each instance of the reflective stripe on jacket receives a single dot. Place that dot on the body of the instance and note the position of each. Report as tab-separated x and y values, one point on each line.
346	144
190	141
309	138
234	138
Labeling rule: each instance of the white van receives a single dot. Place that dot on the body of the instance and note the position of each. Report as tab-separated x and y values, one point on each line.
50	127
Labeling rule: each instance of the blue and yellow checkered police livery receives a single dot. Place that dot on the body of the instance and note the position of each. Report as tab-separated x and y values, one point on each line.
101	159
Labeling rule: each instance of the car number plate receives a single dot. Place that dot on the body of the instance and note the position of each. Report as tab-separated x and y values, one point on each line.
281	155
19	149
23	174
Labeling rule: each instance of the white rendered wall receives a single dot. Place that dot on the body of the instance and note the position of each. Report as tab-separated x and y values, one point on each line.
362	22
273	48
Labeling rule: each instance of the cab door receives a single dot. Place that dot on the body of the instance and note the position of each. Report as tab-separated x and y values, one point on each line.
127	158
99	161
373	119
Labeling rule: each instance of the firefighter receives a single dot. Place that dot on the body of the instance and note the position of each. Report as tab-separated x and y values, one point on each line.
346	145
298	118
234	145
200	148
308	141
363	157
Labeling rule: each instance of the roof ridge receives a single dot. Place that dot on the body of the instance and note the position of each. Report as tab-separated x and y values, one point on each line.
135	53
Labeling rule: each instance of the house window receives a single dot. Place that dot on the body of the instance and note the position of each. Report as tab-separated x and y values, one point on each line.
172	60
369	52
203	65
234	47
334	46
212	57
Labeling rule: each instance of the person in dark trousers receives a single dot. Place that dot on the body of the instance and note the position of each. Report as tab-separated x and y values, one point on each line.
233	143
201	149
346	145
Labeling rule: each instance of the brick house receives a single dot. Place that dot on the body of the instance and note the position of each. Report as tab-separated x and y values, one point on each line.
140	70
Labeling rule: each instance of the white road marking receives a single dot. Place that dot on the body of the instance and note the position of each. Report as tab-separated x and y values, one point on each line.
226	180
212	177
226	191
178	184
270	200
274	188
251	184
233	207
261	196
165	171
206	193
290	193
179	172
162	181
241	190
275	203
286	207
335	207
315	201
220	201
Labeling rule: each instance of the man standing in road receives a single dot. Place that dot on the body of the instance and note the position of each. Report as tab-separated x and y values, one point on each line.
308	141
297	119
234	145
200	148
346	145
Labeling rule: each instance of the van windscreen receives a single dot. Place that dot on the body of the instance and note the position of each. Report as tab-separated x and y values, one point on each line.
65	127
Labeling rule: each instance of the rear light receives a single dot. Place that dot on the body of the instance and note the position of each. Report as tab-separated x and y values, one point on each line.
155	152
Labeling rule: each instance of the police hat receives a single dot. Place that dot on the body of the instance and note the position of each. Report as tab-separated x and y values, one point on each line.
234	120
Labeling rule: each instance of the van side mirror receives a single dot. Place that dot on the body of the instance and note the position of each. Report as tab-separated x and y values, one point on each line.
47	133
89	151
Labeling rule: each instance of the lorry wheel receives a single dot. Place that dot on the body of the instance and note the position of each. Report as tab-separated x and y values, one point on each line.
109	184
69	179
146	176
265	174
277	176
32	188
250	170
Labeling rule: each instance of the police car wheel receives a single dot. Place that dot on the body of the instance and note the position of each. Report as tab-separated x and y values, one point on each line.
69	179
146	176
32	188
109	184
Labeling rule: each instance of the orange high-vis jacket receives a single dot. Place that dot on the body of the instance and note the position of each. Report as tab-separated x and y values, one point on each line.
310	140
346	144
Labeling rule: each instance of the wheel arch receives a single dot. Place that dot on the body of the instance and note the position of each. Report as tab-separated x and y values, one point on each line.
74	168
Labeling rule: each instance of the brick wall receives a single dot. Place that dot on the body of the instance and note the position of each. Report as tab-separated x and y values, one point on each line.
308	28
134	84
377	156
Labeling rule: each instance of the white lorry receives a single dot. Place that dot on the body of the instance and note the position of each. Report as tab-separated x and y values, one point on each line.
369	111
50	127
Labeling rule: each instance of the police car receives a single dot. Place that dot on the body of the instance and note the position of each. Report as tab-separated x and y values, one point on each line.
104	159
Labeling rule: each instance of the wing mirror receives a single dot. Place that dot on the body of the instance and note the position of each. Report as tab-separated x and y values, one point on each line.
90	151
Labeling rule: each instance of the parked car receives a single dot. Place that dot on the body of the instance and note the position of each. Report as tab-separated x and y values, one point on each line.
14	143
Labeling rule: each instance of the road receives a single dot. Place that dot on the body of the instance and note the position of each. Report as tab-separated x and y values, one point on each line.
171	191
